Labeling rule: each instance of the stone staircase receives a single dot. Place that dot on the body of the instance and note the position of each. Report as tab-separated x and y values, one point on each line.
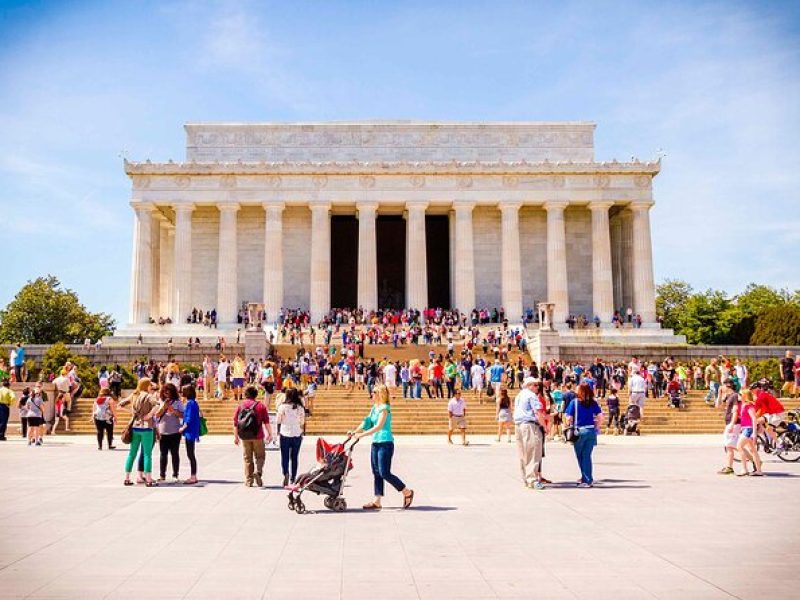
338	410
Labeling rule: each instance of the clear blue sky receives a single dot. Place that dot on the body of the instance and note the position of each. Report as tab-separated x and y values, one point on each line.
715	84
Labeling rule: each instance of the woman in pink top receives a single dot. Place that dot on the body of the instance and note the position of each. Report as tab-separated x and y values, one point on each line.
747	439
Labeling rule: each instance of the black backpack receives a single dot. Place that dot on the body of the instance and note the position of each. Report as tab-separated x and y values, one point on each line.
247	425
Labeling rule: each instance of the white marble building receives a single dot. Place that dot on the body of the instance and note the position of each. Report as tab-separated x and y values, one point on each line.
256	212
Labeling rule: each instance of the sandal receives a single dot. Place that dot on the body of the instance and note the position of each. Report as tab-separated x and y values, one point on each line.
757	474
127	482
543	480
745	474
152	484
372	506
408	499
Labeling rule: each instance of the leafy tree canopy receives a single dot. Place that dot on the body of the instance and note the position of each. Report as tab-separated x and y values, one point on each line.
778	326
671	298
43	312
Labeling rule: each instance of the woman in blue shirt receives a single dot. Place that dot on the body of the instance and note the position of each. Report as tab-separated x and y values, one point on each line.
379	424
190	428
588	422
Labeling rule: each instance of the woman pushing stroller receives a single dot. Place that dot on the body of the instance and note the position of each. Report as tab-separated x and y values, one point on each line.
379	424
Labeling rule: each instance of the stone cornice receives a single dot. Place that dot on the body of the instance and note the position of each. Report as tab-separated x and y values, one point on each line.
430	168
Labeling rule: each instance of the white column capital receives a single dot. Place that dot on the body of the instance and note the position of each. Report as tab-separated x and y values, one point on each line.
555	205
600	204
319	207
416	205
228	207
186	208
367	206
509	206
641	205
274	206
464	206
143	207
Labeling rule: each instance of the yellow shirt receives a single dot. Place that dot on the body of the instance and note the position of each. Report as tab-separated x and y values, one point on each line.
238	369
7	397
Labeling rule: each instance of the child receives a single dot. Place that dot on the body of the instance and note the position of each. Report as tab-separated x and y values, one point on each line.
612	403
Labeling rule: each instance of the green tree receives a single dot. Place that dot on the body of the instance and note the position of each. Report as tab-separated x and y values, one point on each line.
746	308
57	355
704	318
43	312
671	299
778	326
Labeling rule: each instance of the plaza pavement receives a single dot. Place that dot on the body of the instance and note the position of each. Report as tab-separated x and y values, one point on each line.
661	524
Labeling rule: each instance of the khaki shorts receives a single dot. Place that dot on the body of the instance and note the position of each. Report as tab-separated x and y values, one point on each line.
458	422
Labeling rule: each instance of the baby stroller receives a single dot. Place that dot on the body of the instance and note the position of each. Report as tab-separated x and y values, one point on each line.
675	400
333	463
630	420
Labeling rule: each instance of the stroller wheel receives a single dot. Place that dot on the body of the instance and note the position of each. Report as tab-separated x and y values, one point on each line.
340	505
299	507
328	502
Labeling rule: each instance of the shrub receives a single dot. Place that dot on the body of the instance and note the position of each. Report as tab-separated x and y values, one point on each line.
778	326
58	354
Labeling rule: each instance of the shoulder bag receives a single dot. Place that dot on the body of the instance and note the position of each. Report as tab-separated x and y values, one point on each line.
571	433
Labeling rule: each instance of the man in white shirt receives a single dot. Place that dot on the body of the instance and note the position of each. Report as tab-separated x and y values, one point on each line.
222	376
638	390
476	376
530	420
457	413
390	376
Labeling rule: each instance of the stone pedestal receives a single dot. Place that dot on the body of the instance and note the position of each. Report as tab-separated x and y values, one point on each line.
545	346
255	344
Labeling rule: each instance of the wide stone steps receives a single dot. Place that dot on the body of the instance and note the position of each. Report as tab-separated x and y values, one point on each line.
338	410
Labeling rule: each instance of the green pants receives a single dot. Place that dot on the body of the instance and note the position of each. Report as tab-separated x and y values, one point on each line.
143	438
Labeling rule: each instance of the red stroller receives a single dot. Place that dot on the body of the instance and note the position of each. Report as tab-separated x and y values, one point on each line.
328	479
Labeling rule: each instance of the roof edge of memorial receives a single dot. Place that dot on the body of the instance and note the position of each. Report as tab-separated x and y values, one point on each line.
399	122
148	167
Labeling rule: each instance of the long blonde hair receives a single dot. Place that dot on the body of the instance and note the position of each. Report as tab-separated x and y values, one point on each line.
747	396
383	394
144	385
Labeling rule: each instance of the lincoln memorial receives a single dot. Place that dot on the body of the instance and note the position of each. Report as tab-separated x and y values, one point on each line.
391	214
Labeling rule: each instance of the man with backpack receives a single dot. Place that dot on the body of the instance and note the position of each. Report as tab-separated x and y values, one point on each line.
251	427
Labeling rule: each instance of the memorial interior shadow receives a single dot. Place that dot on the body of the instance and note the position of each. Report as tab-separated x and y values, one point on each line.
344	261
391	239
437	244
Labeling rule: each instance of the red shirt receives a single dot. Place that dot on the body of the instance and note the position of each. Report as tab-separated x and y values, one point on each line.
767	404
261	414
438	371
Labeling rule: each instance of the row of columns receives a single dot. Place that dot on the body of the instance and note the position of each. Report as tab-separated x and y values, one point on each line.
143	297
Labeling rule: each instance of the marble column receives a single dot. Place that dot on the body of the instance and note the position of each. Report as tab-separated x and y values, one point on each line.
602	272
557	282
182	265
511	282
320	292
616	260
155	254
644	291
227	264
416	256
142	264
273	260
367	256
464	257
166	271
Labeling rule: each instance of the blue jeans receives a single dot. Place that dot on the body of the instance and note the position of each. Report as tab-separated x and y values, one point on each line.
406	387
290	449
584	445
417	389
713	389
5	411
381	459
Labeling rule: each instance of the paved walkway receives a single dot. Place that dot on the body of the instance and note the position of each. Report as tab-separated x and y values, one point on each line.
660	524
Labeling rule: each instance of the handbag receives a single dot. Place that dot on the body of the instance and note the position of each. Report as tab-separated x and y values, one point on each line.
571	433
203	426
127	433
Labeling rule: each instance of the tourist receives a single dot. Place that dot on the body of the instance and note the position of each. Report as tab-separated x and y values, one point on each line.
34	409
770	413
612	404
143	409
222	376
308	398
61	412
170	418
251	427
478	384
190	428
496	372
457	413
505	419
530	419
637	386
732	430
586	416
290	419
104	415
379	424
23	412
19	362
115	381
748	452
63	387
237	375
787	374
712	379
208	371
7	399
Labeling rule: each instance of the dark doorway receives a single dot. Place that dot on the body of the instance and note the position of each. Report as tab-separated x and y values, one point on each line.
437	238
344	261
391	239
